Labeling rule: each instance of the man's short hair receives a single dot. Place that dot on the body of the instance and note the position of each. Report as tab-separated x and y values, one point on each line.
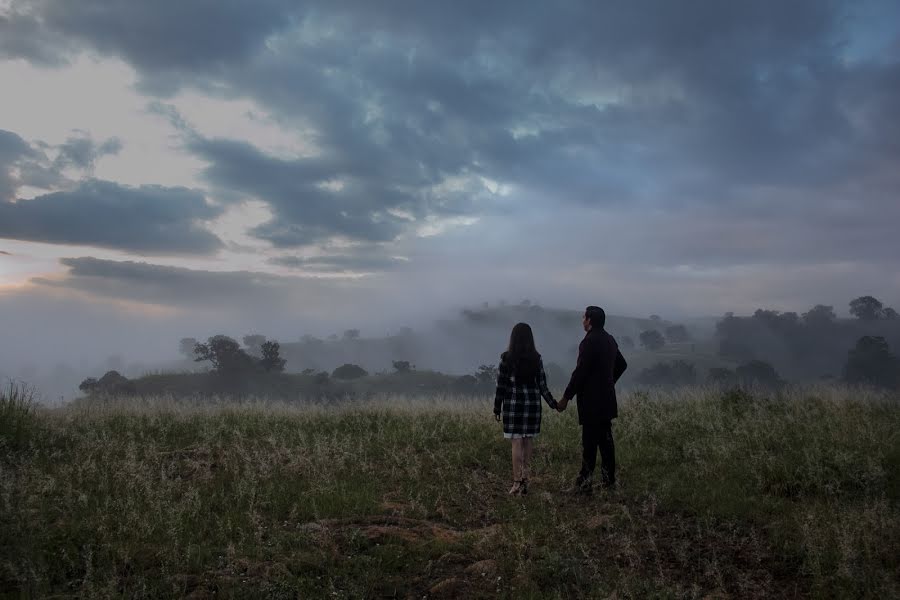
596	316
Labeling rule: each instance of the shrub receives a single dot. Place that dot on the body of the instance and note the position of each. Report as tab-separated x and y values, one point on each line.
349	371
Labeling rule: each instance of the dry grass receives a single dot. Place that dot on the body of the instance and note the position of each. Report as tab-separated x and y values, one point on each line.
723	494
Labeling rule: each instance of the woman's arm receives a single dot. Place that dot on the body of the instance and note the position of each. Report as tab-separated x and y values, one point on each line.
545	391
504	386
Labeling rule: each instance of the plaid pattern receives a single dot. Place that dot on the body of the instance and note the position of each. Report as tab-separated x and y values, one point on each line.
520	404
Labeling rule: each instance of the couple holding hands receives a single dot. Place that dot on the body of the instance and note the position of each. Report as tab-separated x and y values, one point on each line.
521	383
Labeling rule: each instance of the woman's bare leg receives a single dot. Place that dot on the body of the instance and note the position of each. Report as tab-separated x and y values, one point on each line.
518	456
527	448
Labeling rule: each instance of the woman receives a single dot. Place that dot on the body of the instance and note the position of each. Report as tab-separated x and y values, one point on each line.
521	383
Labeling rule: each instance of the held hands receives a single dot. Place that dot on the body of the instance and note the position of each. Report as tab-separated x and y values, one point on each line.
561	404
497	417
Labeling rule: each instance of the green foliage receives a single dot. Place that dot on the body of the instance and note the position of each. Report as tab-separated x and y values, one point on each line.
254	343
721	376
17	415
871	362
677	372
225	354
486	375
677	334
866	308
819	315
349	371
402	366
758	373
651	339
271	360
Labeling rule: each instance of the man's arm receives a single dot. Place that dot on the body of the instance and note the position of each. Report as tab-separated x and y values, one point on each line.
580	374
545	391
620	367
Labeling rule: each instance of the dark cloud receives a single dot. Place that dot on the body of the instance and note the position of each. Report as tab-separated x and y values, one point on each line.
23	36
34	168
339	263
168	34
306	211
650	106
5	253
233	291
82	152
148	219
12	150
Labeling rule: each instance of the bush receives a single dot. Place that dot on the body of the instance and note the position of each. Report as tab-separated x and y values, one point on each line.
677	372
871	362
652	339
349	371
757	372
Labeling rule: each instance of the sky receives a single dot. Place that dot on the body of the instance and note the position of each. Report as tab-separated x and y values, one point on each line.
183	168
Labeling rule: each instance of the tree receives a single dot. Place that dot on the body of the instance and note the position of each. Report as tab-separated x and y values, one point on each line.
866	308
351	334
677	372
627	342
225	354
89	385
819	315
652	339
253	343
758	372
890	314
349	371
486	374
271	361
556	375
186	346
112	383
871	362
402	366
677	333
721	376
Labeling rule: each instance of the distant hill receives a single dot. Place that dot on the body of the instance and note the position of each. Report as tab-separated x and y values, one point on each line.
459	345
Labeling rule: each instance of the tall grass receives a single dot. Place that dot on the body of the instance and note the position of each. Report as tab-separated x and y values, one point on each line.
17	414
722	493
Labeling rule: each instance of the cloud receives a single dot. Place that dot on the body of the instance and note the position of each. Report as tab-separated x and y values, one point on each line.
23	36
255	295
146	220
339	263
4	253
167	34
82	152
24	164
705	129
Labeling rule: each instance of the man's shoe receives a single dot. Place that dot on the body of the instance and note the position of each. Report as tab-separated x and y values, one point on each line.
581	486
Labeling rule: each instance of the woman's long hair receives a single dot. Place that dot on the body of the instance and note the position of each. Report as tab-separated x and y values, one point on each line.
521	355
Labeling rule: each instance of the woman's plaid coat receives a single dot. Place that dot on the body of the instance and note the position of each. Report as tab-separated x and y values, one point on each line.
520	402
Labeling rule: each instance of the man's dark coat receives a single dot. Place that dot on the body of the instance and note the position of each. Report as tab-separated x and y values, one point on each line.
600	364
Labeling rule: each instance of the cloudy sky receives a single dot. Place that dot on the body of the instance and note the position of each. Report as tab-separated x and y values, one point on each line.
187	166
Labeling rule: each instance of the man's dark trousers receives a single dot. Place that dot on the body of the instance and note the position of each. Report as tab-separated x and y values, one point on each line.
598	434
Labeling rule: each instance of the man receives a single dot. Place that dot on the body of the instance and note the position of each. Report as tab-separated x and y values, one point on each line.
599	366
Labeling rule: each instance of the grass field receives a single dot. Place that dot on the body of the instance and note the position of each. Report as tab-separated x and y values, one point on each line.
722	494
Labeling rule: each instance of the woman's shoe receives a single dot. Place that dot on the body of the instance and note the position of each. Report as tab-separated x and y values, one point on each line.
523	490
516	488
